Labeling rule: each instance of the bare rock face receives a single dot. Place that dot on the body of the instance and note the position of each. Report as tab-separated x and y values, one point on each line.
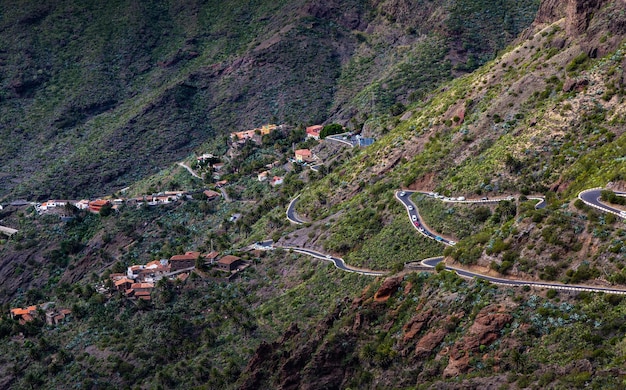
416	324
429	342
579	12
484	331
550	11
578	85
389	287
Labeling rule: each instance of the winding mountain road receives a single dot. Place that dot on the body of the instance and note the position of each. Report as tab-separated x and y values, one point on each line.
8	231
291	212
339	138
432	262
188	168
590	197
338	261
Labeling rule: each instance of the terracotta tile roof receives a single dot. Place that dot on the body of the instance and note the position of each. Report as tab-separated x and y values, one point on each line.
303	152
98	202
228	259
315	129
211	194
18	311
154	263
123	281
135	286
186	256
211	255
140	293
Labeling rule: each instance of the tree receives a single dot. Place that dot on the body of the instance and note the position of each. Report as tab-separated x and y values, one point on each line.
106	210
331	129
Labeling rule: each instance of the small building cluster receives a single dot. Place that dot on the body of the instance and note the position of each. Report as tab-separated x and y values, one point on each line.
254	134
139	280
95	206
53	316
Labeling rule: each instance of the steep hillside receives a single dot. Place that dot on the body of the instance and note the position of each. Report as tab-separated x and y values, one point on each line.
545	117
103	94
440	332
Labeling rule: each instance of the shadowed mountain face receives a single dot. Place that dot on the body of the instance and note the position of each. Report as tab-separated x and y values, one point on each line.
94	96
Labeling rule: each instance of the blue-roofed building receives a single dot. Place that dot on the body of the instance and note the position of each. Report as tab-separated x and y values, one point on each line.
363	141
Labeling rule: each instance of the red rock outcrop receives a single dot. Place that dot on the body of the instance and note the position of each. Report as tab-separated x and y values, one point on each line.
389	287
429	342
415	325
484	331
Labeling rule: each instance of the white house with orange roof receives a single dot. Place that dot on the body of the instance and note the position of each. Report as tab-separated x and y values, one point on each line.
314	131
276	181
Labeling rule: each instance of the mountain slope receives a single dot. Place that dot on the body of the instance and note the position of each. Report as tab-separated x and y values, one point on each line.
102	95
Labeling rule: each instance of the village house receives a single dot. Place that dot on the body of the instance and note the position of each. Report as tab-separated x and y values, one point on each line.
314	131
55	317
303	155
150	272
250	134
24	315
230	263
82	204
123	284
97	205
276	181
140	291
218	166
243	135
188	260
205	156
221	183
210	257
266	129
363	141
263	175
210	194
27	314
